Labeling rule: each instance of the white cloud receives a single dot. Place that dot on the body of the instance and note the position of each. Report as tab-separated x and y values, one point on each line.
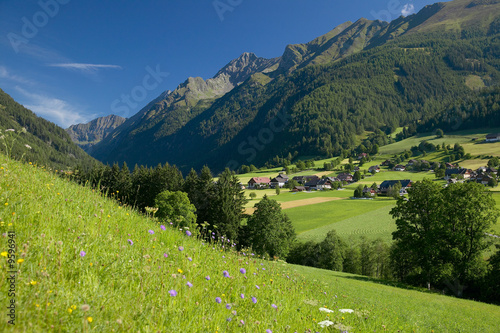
54	109
4	74
89	68
408	9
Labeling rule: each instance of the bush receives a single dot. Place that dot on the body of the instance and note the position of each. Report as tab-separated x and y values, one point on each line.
175	207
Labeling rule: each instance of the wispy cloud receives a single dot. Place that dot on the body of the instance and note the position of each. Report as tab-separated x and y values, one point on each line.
54	109
408	9
5	74
89	68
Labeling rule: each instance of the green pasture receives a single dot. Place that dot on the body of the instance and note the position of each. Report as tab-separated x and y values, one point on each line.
376	223
306	218
465	138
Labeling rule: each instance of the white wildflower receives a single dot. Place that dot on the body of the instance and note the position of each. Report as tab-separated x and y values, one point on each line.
346	310
325	323
28	146
325	310
10	130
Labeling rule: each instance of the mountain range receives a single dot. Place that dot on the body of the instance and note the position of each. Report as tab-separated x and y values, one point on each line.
318	98
86	135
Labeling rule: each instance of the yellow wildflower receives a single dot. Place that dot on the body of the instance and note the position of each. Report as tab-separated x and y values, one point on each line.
4	254
89	319
33	282
180	271
70	310
20	260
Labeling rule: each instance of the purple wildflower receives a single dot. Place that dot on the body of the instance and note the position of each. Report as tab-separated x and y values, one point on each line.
228	319
228	306
130	242
82	254
190	259
274	306
165	255
269	331
242	322
218	300
189	284
188	233
151	232
256	286
242	296
181	248
207	277
254	300
225	273
243	271
163	227
172	293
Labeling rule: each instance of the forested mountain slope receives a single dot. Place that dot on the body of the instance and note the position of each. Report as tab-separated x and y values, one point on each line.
368	75
41	142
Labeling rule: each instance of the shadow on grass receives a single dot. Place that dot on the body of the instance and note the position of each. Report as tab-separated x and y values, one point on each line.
395	284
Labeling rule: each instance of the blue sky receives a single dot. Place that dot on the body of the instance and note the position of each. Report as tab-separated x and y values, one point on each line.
71	61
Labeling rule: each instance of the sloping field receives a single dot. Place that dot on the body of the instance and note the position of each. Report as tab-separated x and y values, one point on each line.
462	137
375	224
310	217
305	202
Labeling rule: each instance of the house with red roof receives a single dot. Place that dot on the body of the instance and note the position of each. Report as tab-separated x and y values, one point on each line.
258	182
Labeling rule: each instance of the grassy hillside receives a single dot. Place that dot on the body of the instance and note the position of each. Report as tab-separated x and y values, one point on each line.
472	140
85	263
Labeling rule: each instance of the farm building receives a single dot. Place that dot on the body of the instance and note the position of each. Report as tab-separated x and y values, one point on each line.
449	173
319	184
493	137
279	181
345	177
384	187
304	179
299	189
258	182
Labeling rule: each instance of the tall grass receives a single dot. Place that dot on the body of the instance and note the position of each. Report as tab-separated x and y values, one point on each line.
91	264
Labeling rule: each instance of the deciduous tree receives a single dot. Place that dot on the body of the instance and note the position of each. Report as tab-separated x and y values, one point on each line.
270	230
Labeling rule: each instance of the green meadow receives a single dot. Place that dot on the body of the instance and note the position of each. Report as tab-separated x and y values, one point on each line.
470	139
85	263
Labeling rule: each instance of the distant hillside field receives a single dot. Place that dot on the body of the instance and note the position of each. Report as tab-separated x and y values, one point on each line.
85	263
